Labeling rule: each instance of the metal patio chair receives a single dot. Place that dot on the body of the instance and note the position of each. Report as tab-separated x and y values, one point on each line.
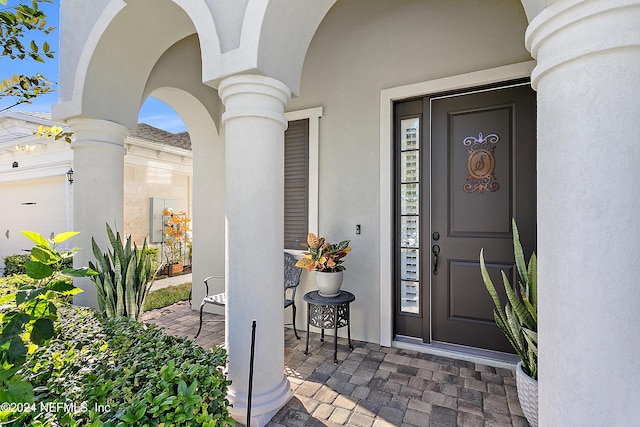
216	299
291	282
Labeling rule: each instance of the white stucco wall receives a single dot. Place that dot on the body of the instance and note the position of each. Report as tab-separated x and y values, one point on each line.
140	185
380	46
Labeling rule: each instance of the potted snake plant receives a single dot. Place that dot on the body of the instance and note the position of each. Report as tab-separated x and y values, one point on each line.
518	320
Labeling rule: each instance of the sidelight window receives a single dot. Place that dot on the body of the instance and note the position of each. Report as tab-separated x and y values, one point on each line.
409	215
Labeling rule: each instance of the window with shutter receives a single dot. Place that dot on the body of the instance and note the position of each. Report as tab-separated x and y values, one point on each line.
296	184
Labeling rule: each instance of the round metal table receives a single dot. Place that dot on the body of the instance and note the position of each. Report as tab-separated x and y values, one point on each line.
329	313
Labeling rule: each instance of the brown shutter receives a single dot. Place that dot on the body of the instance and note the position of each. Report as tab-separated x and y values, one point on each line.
296	184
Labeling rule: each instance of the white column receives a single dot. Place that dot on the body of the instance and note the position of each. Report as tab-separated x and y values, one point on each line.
254	127
98	190
587	78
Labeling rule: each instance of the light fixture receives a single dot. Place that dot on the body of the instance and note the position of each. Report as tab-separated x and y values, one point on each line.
70	176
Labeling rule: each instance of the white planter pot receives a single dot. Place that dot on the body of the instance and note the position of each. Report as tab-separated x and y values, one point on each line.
329	284
527	395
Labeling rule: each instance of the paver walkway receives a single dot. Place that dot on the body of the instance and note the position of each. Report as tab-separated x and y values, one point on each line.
372	385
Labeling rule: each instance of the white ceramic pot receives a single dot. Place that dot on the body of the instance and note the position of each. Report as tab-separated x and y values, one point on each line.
527	395
329	283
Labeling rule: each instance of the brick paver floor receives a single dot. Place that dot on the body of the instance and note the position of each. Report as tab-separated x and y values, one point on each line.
372	385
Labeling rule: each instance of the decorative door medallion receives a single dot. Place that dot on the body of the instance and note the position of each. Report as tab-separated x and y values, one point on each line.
481	163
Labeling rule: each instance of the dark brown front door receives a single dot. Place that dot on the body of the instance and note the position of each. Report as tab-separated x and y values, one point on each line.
479	173
483	173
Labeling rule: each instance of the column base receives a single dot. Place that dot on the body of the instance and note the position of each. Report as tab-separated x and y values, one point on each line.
263	406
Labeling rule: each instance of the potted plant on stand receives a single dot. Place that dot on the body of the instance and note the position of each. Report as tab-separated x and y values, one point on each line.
176	238
326	259
518	320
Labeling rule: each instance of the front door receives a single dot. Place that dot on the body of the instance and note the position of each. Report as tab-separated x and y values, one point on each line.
474	170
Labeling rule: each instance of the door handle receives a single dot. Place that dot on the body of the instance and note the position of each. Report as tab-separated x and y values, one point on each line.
435	249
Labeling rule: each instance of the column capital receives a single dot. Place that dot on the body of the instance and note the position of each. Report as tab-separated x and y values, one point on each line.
567	30
250	95
97	133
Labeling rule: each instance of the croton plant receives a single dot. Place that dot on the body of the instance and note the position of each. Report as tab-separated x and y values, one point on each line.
324	256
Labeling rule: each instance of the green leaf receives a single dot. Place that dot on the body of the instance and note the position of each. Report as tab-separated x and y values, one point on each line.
532	272
192	387
7	373
42	331
43	254
59	238
518	253
13	324
488	283
140	412
41	308
16	352
36	237
519	309
128	418
60	286
182	388
79	272
19	392
22	295
37	270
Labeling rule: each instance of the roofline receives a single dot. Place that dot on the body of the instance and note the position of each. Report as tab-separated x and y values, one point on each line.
35	119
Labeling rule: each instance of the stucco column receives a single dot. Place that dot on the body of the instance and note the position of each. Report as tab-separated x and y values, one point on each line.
98	188
588	63
254	173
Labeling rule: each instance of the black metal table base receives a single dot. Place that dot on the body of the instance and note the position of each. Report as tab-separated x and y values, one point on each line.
329	313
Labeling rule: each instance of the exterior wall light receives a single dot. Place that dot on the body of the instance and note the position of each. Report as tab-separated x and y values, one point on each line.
70	176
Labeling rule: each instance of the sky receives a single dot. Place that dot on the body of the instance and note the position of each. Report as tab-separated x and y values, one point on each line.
153	112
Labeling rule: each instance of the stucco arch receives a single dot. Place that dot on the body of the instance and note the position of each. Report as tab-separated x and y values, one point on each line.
127	40
208	207
176	79
122	48
276	35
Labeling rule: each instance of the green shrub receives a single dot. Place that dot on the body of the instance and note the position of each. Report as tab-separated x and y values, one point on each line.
11	284
14	264
28	313
119	372
152	252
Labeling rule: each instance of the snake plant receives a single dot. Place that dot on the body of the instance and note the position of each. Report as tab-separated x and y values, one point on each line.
518	320
124	277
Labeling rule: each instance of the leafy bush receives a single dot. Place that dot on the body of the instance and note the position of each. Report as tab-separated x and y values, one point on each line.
153	253
117	372
14	264
9	285
28	312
